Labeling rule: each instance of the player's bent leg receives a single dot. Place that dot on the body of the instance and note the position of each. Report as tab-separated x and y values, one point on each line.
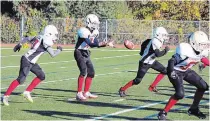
193	78
179	94
122	90
163	71
142	69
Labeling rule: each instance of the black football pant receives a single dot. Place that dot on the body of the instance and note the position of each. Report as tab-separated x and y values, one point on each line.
84	63
191	77
143	68
26	67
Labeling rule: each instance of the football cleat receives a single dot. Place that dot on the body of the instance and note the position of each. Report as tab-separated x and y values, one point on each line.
162	115
196	112
80	97
27	95
89	95
122	93
152	89
5	100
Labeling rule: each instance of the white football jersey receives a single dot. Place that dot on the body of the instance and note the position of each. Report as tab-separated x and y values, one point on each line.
85	33
188	57
39	46
149	54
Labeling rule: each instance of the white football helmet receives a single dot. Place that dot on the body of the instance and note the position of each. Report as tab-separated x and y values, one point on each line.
160	33
92	21
51	31
199	41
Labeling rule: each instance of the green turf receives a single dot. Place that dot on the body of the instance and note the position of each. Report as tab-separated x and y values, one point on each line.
51	96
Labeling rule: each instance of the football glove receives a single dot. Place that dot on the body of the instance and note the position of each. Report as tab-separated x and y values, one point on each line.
17	47
60	48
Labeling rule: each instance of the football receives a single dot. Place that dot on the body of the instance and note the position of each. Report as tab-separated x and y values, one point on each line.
128	44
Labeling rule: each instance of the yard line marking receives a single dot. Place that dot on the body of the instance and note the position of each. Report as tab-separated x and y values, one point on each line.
72	60
10	56
172	110
71	99
118	100
104	50
45	82
135	108
63	67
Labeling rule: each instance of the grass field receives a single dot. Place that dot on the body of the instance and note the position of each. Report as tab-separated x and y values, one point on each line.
54	98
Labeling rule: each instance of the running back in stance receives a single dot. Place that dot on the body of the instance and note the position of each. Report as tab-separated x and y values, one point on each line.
179	69
39	45
150	49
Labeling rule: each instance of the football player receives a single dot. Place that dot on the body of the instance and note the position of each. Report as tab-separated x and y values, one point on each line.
39	45
204	60
186	56
87	37
150	49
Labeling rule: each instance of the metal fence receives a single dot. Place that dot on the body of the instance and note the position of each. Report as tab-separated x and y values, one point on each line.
119	29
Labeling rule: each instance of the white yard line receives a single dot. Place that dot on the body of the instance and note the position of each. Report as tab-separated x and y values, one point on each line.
132	109
71	50
72	60
119	100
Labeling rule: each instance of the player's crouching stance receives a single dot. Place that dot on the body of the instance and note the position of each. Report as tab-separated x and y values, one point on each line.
87	37
186	56
147	61
39	45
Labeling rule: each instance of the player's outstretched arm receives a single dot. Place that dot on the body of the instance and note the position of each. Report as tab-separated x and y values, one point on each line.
159	53
54	53
22	41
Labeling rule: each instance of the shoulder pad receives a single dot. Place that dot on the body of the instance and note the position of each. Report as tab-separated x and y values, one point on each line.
205	53
156	44
83	32
95	33
185	50
47	41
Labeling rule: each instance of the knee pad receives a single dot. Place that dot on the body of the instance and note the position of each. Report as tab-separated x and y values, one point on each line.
204	87
83	72
91	75
179	95
41	76
21	80
136	81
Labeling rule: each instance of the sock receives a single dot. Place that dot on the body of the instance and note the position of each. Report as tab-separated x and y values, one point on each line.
88	82
197	98
172	101
129	84
12	86
80	83
33	84
157	80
